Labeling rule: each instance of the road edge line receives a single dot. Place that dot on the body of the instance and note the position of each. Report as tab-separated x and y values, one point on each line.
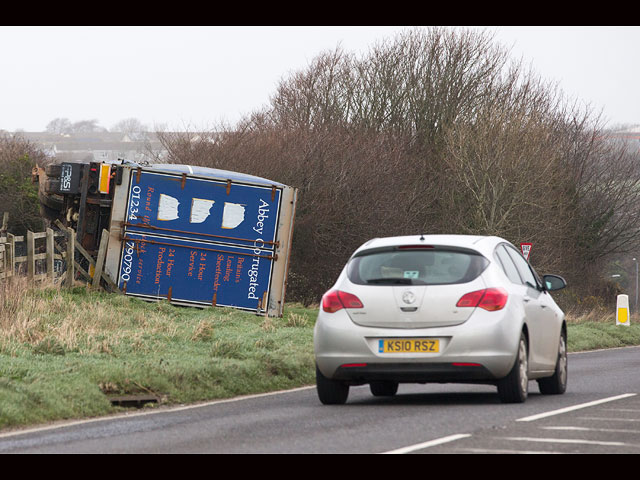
127	415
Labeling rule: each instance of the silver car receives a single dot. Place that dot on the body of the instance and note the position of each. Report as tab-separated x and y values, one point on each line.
440	308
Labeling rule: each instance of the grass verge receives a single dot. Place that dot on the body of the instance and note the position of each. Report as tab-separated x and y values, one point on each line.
597	329
64	354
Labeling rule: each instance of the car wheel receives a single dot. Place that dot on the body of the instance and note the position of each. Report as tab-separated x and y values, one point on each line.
330	392
557	384
383	389
514	388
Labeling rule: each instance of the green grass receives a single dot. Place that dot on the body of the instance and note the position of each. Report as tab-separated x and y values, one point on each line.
64	354
597	329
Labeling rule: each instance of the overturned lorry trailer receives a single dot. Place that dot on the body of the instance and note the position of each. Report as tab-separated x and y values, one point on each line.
195	236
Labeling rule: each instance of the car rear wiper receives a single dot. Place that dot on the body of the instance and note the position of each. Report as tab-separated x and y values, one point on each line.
399	281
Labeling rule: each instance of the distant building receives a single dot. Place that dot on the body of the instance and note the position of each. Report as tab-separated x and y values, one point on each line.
630	134
99	146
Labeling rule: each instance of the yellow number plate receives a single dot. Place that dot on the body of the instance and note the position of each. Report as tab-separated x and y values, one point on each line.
408	345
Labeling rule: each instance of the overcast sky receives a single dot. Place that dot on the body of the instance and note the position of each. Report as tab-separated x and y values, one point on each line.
193	77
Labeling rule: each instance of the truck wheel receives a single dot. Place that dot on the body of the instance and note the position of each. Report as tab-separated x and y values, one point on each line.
49	214
55	202
331	392
53	170
557	383
514	388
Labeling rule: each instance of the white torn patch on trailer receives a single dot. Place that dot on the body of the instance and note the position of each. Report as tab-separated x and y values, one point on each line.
233	215
167	207
200	209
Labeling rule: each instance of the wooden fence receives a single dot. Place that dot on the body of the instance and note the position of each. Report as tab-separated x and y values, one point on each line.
34	255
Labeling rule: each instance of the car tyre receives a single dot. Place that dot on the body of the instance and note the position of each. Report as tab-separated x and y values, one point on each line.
331	392
514	388
557	383
383	389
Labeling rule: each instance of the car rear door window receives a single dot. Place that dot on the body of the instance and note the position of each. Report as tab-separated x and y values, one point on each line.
523	267
508	266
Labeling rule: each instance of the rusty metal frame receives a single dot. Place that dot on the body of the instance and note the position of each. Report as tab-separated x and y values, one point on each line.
153	227
124	238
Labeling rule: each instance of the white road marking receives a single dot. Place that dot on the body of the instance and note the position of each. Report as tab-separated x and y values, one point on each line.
503	451
588	429
431	443
574	407
569	440
612	419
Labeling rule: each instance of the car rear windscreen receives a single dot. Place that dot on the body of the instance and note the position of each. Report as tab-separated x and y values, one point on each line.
419	266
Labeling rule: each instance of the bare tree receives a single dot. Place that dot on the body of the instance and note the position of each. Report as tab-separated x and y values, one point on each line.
18	194
434	131
59	126
87	126
130	126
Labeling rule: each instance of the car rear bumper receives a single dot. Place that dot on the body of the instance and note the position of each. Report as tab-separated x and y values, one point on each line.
414	373
480	350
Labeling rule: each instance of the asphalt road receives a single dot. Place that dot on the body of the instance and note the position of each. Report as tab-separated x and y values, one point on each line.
600	413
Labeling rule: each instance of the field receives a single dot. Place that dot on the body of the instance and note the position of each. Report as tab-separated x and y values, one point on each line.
71	353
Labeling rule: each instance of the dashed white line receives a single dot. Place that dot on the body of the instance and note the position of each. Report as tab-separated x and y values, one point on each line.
505	451
590	429
567	440
431	443
611	419
574	407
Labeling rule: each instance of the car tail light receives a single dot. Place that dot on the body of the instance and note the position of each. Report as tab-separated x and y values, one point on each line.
330	302
334	300
491	299
471	299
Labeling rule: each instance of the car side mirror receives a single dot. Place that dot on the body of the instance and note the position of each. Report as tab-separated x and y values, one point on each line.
553	282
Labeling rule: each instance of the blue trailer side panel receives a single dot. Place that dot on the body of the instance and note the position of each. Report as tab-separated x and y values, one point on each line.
199	240
195	272
203	209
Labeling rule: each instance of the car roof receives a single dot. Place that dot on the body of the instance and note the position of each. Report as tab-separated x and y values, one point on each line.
483	244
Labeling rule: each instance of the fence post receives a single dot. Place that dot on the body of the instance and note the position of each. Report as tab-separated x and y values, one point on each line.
71	249
11	242
102	252
3	261
50	252
31	261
